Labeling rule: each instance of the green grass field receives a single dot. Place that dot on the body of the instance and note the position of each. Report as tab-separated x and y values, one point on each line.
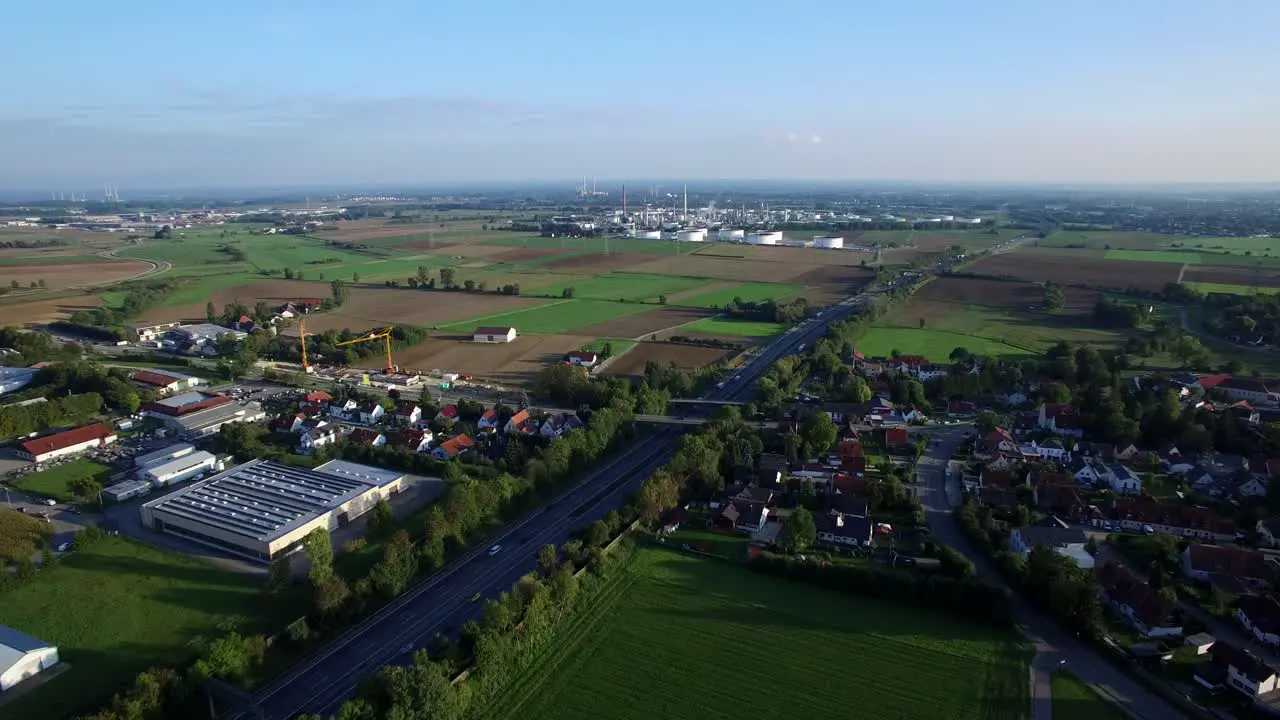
619	345
729	326
750	292
56	481
116	609
680	637
1212	287
1074	700
1165	256
555	318
632	287
936	345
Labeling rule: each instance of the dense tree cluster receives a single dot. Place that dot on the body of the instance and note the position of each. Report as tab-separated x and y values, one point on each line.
788	312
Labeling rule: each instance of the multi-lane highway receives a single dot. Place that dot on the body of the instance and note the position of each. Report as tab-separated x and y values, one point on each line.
445	601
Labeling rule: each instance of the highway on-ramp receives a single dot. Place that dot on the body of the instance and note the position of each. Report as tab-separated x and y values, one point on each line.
445	600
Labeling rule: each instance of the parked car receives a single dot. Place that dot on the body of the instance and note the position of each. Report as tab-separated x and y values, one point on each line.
50	502
63	547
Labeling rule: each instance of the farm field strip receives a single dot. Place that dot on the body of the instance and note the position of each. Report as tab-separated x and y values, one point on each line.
678	624
38	258
1165	256
738	328
749	292
682	356
597	245
630	287
554	318
1230	289
936	345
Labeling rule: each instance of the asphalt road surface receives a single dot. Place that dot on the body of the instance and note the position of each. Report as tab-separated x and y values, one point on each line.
1053	644
445	601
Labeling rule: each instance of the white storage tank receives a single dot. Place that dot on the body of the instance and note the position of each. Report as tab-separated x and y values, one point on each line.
693	235
732	235
829	242
649	235
764	238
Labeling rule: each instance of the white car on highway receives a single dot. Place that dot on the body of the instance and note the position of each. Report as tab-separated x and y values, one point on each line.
495	550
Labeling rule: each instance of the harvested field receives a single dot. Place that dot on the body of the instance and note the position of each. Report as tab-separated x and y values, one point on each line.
64	275
514	363
594	262
634	326
1009	294
797	255
747	292
371	307
1065	269
831	284
555	317
1233	276
40	311
488	252
272	292
683	356
507	255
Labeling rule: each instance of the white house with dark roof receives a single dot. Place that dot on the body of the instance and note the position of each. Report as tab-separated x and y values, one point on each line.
22	656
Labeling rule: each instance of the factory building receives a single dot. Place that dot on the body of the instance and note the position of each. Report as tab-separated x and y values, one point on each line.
178	469
164	382
488	334
126	490
164	454
67	443
261	509
196	414
22	657
829	242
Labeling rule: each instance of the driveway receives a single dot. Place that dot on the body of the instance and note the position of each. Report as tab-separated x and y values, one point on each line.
1054	646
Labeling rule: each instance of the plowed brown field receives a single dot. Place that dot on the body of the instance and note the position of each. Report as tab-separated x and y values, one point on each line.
1012	294
1030	264
510	363
1262	277
597	262
633	326
65	275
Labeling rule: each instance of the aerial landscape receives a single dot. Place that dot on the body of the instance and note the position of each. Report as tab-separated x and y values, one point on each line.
418	362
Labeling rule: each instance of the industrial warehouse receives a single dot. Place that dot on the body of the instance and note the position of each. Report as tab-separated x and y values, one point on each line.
262	509
198	414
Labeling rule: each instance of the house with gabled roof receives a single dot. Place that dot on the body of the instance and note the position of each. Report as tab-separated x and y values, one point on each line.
489	421
408	413
318	437
1238	669
367	437
1139	603
448	412
412	439
1260	616
998	442
453	447
1208	563
519	423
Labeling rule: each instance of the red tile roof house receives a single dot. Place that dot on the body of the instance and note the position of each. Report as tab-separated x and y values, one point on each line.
412	439
453	447
448	412
1140	604
67	443
997	442
895	437
519	423
1169	518
318	396
1260	616
1214	563
585	358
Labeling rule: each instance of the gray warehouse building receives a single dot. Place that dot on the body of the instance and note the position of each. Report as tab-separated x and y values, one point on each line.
262	509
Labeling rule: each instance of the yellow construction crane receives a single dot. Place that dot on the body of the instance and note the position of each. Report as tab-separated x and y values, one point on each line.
302	333
383	334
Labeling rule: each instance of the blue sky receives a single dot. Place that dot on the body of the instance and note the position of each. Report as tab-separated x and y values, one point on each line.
149	93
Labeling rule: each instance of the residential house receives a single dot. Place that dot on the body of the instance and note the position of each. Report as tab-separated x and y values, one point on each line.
289	423
999	478
1140	604
998	442
408	413
453	447
852	458
1264	468
448	412
1051	449
412	439
1120	478
317	437
1260	616
1252	487
1066	541
997	498
370	412
342	410
556	425
1057	494
585	358
367	437
316	397
772	467
929	371
741	516
1170	518
1237	669
846	504
518	423
914	414
489	421
836	529
848	484
1229	566
896	437
1013	398
1126	453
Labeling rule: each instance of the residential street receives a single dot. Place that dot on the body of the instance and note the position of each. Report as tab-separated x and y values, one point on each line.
1054	646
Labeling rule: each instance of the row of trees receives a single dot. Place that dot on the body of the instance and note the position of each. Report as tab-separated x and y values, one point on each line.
788	312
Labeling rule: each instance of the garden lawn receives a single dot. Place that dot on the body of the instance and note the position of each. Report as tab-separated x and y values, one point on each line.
749	292
1074	700
729	326
555	318
116	609
56	481
681	637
